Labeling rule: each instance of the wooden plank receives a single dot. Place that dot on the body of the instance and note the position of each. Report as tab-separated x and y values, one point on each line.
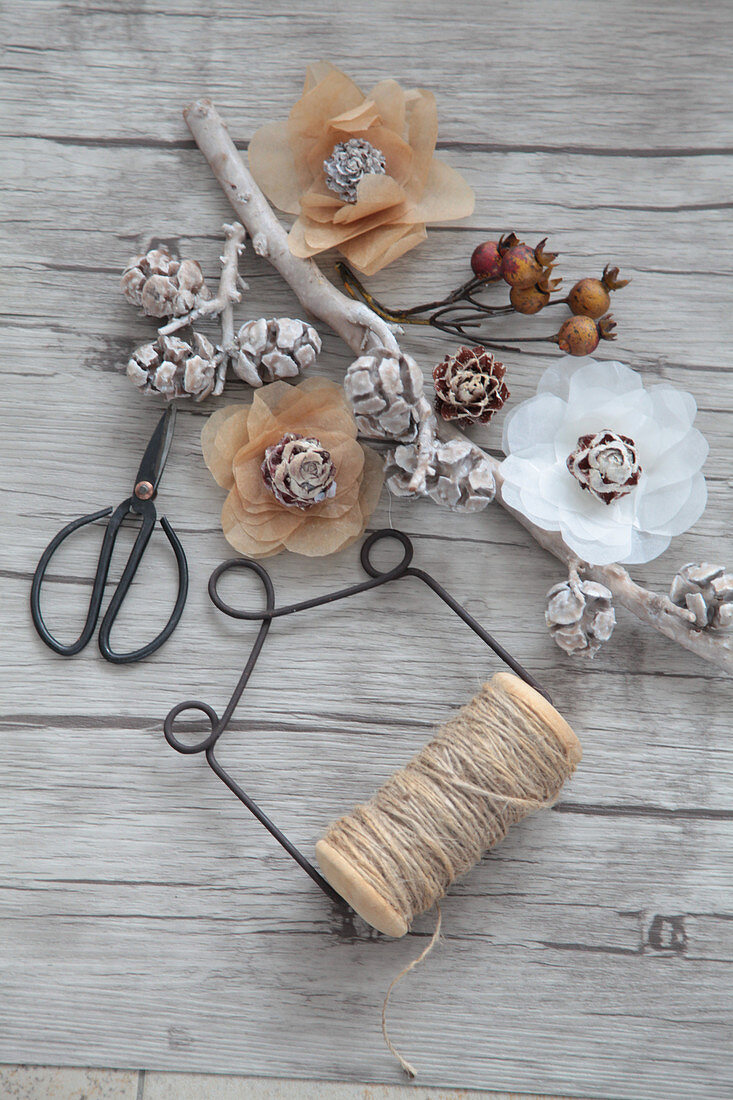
640	77
146	920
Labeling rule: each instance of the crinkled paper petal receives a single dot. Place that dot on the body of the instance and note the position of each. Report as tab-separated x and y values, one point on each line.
592	551
603	374
374	250
374	193
314	404
317	207
355	120
645	546
319	237
274	167
681	460
390	100
534	423
223	434
233	518
422	134
316	72
309	118
446	196
673	509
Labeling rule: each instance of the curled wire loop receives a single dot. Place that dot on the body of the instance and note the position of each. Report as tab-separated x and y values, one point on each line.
218	725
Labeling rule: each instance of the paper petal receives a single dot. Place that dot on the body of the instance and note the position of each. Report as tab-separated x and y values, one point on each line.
318	207
390	100
422	134
355	120
372	482
316	72
373	193
319	537
223	434
274	167
374	250
232	516
309	117
321	237
675	508
446	195
645	546
535	421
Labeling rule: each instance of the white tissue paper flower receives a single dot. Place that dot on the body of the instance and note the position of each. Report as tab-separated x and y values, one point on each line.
576	397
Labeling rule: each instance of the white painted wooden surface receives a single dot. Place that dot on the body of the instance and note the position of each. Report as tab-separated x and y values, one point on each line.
146	920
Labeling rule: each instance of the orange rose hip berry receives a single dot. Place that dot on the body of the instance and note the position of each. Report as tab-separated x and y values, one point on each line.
578	336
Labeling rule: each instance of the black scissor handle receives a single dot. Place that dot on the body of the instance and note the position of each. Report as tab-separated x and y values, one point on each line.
123	586
146	511
95	600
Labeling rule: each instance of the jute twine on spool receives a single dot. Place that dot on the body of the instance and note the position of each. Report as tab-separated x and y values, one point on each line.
505	754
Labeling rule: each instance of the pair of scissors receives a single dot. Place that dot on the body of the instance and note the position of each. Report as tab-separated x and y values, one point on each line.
139	504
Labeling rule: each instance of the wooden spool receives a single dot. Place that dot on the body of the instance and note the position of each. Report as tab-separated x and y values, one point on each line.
349	881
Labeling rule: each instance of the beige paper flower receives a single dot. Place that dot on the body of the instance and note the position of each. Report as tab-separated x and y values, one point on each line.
305	166
254	520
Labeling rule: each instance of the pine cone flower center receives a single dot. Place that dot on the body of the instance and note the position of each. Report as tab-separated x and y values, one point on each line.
469	386
349	162
299	471
605	464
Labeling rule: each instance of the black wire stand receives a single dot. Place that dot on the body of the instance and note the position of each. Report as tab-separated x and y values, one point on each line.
375	578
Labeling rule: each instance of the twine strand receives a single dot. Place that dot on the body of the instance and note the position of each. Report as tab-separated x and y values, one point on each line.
407	1066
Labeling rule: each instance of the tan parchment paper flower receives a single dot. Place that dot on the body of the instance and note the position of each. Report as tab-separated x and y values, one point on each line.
391	209
255	523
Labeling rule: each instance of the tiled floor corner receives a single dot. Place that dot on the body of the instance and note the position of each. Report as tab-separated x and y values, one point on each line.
52	1083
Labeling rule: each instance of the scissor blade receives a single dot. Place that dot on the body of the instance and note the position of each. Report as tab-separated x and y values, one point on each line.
156	452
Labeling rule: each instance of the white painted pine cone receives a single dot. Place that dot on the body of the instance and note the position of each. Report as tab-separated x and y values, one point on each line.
271	349
383	389
175	368
580	616
460	477
163	286
349	162
707	591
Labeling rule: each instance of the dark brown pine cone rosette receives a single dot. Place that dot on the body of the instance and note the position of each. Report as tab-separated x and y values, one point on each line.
469	386
605	463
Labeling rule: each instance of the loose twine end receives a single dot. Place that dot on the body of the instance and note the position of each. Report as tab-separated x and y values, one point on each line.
406	1066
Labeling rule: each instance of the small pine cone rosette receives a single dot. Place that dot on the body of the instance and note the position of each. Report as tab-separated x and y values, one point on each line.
267	350
163	286
580	616
235	443
349	162
459	476
707	591
299	472
173	367
605	463
469	386
384	389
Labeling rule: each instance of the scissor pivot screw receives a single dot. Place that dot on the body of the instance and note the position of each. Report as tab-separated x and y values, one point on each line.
144	490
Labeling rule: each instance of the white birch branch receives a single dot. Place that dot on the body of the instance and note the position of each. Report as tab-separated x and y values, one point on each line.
222	304
361	329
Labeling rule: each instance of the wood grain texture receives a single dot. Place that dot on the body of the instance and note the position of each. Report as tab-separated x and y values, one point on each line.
146	920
